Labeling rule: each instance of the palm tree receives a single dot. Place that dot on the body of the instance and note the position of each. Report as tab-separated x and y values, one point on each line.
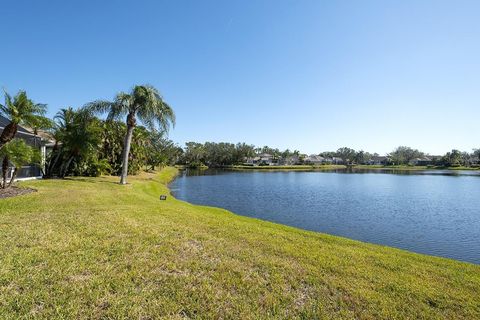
143	102
21	110
19	154
79	135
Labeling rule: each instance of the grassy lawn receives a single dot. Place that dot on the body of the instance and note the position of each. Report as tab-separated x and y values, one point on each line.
89	248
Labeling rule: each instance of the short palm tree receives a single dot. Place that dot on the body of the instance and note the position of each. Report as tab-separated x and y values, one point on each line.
79	135
19	154
21	110
143	102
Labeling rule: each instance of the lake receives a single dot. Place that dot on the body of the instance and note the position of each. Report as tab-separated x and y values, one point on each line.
430	212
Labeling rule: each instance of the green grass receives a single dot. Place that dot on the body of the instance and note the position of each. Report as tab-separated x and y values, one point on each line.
88	248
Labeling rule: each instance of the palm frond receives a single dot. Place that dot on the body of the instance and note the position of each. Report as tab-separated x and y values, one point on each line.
98	106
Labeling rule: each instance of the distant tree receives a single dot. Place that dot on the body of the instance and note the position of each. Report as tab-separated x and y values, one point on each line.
160	151
452	159
362	157
194	155
346	154
328	154
243	151
21	111
143	102
286	153
403	155
476	156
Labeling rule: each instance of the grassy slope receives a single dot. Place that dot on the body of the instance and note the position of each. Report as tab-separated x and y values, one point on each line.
90	248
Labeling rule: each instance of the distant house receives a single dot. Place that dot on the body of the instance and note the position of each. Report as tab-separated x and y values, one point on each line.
379	160
266	158
290	160
262	159
314	159
424	161
336	160
39	141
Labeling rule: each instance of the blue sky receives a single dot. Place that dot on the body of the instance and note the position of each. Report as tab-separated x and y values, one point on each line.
307	75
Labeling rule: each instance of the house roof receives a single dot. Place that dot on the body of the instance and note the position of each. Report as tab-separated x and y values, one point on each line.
4	122
25	133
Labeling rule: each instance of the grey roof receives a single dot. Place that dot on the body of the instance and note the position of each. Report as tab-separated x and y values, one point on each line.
4	122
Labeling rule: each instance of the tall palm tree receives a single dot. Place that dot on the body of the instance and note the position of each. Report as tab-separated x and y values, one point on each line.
21	110
143	102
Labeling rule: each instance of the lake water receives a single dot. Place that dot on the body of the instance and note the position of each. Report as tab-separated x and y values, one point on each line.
431	212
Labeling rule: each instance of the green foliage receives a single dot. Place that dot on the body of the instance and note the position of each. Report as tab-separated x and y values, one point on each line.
20	154
403	155
94	167
346	154
145	103
214	154
453	159
21	110
88	146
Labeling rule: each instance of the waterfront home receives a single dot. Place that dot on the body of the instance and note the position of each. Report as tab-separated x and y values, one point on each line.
336	160
424	161
314	159
290	160
262	159
266	158
39	140
379	160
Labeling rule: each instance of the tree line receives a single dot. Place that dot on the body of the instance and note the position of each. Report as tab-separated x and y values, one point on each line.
221	154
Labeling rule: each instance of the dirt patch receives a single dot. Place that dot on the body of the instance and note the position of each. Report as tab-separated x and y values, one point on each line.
14	191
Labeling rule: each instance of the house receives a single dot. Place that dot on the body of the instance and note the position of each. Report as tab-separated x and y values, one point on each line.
39	141
379	160
266	158
291	160
261	159
314	159
424	161
336	160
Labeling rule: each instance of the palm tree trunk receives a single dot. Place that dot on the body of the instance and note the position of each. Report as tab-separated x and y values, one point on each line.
8	134
14	175
125	154
52	165
4	172
67	165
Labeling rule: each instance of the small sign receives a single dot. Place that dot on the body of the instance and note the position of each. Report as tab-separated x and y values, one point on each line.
163	197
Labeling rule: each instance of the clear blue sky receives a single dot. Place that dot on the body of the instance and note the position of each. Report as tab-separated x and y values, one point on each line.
308	75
